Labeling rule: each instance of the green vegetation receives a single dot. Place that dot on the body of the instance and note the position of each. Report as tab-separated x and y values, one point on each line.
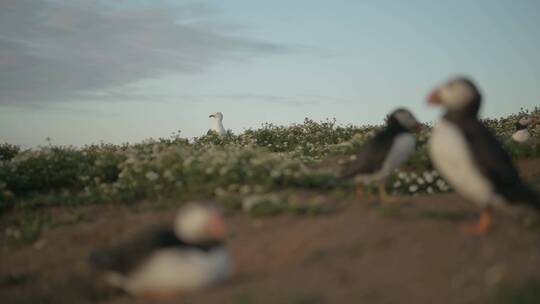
13	279
527	292
449	215
258	171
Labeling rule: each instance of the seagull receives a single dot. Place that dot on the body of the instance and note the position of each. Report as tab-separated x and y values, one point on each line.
218	123
164	262
522	135
470	157
381	155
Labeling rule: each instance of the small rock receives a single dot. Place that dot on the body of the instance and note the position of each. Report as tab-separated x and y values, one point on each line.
495	274
40	244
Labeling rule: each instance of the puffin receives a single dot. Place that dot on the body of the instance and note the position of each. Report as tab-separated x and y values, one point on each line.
522	135
381	155
218	123
164	262
469	156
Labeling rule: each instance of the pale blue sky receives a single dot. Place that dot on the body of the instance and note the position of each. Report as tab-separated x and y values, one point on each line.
84	71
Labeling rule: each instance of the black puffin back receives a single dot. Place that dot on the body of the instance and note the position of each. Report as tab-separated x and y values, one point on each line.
373	153
520	126
494	162
125	257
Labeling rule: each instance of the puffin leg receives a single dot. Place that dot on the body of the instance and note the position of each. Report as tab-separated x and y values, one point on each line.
360	191
482	226
384	196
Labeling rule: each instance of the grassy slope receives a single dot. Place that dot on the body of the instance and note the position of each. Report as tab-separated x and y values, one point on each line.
408	254
363	253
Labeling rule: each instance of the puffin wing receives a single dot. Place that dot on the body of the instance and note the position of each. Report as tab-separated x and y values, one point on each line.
125	257
496	164
371	156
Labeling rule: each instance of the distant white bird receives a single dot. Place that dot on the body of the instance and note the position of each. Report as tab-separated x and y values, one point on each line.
165	262
218	123
522	134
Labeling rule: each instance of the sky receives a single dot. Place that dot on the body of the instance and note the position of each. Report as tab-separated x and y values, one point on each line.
82	72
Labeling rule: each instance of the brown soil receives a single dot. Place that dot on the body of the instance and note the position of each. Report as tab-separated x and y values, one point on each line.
361	254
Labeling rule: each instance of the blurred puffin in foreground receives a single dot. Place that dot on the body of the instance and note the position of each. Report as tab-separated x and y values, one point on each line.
382	154
165	262
522	135
469	156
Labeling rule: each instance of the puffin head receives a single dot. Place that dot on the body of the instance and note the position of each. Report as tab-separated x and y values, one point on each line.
217	115
404	118
458	95
525	121
196	223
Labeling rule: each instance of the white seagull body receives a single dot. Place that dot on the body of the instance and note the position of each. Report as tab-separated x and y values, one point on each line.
218	123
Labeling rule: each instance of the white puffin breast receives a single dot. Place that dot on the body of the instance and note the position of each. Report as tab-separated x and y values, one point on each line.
452	157
402	148
521	136
173	270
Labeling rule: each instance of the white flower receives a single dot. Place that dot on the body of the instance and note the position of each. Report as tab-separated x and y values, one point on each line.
223	171
168	174
131	159
275	173
152	176
413	188
249	202
442	185
245	189
402	175
397	184
420	181
220	192
430	190
428	177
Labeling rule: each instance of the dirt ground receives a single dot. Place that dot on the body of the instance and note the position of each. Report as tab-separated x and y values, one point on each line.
364	253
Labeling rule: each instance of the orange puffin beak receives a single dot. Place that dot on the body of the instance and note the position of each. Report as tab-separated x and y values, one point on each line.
434	98
216	227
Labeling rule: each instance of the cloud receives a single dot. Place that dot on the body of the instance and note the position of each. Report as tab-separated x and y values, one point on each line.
60	50
135	95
